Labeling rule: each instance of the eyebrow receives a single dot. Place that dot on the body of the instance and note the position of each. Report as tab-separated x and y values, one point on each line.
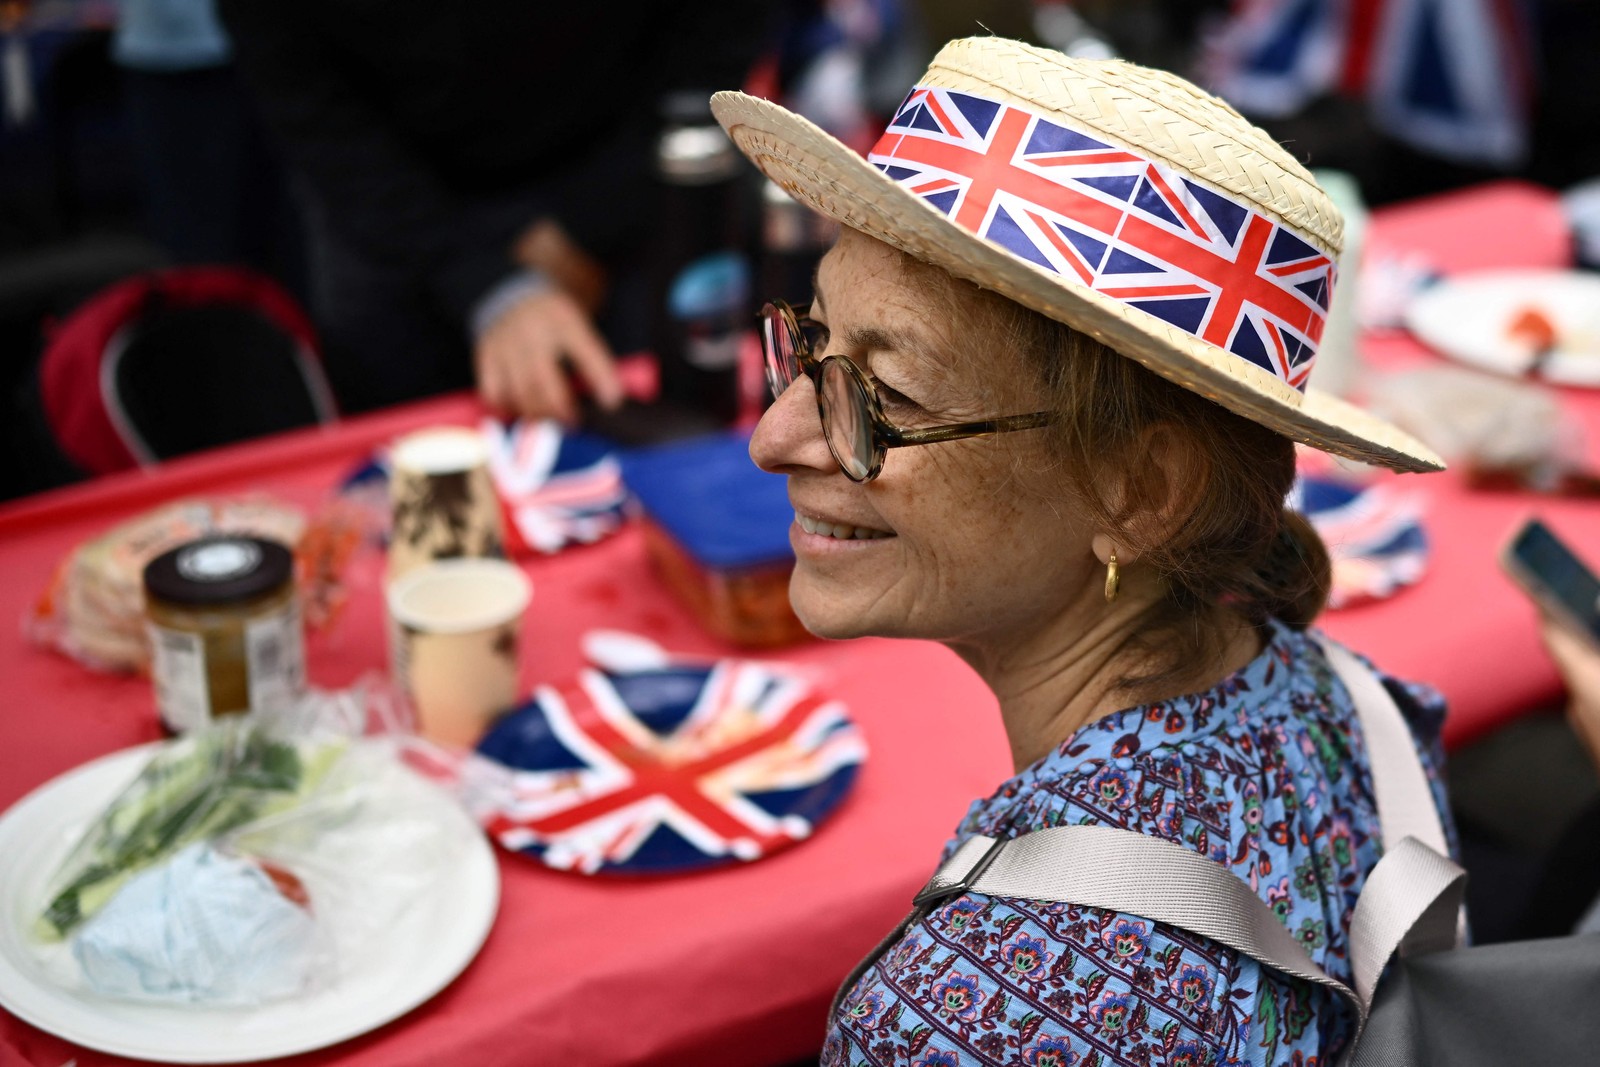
868	338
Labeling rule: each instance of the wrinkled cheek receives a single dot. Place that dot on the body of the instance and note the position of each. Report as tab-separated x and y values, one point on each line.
835	603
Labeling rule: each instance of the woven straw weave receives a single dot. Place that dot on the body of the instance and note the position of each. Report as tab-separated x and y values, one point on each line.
1150	112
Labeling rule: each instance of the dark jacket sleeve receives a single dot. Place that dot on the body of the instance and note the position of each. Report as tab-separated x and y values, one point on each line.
377	196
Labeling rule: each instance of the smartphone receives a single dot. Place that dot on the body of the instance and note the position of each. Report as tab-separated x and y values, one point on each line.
1556	578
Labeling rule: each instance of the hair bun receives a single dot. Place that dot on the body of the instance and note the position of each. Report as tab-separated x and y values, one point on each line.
1297	571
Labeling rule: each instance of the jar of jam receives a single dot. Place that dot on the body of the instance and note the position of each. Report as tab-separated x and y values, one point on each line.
225	631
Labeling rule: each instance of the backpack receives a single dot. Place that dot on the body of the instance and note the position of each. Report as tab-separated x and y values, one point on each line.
1419	997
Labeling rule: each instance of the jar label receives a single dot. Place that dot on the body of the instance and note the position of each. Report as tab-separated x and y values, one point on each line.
275	656
178	668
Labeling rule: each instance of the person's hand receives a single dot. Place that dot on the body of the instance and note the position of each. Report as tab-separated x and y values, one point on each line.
545	247
521	359
1579	662
12	14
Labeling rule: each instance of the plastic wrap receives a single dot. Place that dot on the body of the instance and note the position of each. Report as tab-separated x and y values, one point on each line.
93	607
244	864
1482	422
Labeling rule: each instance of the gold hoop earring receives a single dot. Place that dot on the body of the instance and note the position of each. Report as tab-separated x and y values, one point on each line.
1113	579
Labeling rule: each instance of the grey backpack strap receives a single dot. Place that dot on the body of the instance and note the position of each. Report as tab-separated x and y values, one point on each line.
1411	898
1120	870
1411	902
1399	784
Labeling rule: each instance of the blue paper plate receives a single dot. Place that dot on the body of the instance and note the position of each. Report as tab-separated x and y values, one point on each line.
667	770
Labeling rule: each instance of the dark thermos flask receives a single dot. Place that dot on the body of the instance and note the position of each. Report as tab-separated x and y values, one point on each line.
702	271
793	239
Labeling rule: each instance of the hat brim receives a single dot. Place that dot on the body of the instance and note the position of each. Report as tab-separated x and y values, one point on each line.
825	175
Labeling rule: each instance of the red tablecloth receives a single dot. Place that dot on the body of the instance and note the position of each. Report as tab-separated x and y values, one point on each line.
1465	627
736	966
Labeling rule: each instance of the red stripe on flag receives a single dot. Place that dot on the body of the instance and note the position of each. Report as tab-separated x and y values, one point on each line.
1135	293
1279	352
680	783
931	102
1082	160
1299	267
1360	31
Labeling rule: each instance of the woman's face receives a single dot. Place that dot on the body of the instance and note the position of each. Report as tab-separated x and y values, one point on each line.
961	542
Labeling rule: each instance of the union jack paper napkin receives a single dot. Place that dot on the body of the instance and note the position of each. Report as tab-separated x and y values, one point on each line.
557	488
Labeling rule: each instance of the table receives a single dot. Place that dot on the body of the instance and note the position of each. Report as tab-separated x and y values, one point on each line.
736	966
1465	627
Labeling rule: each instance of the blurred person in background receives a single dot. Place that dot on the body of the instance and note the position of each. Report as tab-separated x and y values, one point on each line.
479	179
1410	96
212	190
1567	897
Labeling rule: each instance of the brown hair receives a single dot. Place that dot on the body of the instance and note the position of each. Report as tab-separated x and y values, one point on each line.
1220	540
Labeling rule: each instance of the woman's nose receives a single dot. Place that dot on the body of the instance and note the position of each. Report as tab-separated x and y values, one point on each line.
789	435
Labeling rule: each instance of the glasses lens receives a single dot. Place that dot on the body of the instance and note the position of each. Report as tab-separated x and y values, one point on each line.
845	420
779	343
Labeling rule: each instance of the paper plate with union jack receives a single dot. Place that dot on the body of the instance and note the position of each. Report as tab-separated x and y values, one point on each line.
1374	536
667	769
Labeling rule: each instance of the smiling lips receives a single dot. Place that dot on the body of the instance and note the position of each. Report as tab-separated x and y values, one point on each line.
838	530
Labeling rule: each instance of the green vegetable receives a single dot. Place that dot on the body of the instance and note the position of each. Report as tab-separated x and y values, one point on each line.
193	790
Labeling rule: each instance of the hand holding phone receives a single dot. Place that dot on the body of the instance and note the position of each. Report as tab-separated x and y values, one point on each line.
1557	580
1568	595
1579	663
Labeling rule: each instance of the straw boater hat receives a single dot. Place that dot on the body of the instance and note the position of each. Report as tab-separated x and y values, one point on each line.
1120	200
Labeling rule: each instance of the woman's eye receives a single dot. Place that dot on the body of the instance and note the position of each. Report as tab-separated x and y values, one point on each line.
891	397
816	334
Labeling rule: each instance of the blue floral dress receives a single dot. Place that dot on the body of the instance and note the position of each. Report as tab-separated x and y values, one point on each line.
1267	774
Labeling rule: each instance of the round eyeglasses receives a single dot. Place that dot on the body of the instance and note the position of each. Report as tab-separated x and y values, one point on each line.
847	400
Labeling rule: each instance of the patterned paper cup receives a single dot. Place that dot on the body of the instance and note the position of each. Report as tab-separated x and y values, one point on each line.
453	635
443	499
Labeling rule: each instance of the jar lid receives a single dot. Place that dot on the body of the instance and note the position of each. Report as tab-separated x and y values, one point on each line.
218	570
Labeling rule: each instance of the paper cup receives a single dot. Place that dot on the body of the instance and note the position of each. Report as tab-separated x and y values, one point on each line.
443	500
454	626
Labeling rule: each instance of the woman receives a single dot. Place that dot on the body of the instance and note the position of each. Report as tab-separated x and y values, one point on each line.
1059	355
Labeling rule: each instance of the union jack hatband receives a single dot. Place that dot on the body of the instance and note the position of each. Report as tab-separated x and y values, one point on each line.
1119	200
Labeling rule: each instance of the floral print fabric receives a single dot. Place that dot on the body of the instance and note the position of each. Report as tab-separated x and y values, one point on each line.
1268	775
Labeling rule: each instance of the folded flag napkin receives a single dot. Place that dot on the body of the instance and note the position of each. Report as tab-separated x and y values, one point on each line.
557	488
1374	535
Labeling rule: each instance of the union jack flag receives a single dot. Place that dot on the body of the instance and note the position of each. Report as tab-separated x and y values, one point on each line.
556	488
1451	77
1273	57
1124	225
666	769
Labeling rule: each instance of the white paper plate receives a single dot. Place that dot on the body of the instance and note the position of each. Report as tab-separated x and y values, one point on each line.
1469	317
429	947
